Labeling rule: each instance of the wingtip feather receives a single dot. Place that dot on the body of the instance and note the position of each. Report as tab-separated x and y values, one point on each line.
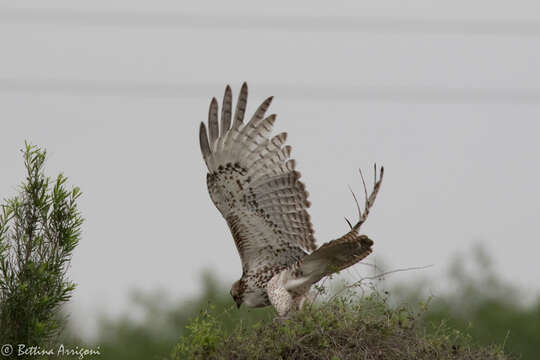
226	110
213	127
203	140
241	106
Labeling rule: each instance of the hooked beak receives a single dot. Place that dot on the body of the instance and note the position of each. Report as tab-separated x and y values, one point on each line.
238	305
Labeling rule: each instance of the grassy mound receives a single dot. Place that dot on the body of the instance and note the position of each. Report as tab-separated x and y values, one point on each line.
343	328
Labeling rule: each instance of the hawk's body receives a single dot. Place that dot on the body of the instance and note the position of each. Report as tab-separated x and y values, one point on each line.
254	185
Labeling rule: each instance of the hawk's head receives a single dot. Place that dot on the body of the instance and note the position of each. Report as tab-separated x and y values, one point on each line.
237	292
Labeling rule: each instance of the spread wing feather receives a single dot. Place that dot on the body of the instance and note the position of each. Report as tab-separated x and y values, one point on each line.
338	254
213	122
226	111
330	258
254	184
240	107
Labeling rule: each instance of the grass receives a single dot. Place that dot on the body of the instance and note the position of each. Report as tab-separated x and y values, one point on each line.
343	328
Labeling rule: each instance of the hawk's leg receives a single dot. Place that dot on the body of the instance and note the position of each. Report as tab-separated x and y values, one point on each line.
307	298
279	297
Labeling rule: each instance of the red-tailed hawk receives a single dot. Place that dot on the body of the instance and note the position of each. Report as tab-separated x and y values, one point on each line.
254	184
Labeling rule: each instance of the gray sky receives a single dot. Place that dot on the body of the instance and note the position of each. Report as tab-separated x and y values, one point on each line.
446	98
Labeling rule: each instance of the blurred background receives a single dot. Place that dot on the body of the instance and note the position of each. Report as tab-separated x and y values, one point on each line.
445	96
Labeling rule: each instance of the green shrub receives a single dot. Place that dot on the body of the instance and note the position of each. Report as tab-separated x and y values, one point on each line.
39	228
346	327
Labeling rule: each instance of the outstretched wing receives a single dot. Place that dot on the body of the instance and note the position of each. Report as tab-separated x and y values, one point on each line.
330	258
338	254
254	185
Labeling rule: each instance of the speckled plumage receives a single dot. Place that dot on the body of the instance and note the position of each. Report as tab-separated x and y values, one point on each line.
254	184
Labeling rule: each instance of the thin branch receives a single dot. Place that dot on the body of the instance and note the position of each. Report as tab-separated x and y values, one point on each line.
358	283
374	266
383	274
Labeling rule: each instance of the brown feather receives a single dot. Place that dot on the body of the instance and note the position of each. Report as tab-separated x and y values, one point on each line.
213	122
203	140
259	113
330	258
226	111
240	106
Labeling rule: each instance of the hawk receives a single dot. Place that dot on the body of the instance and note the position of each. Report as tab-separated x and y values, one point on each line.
255	186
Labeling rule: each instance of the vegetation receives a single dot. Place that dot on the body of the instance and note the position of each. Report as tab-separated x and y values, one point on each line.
479	316
39	228
164	322
487	308
343	328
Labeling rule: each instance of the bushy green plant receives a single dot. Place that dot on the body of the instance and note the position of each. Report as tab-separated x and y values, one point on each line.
39	229
346	327
164	321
